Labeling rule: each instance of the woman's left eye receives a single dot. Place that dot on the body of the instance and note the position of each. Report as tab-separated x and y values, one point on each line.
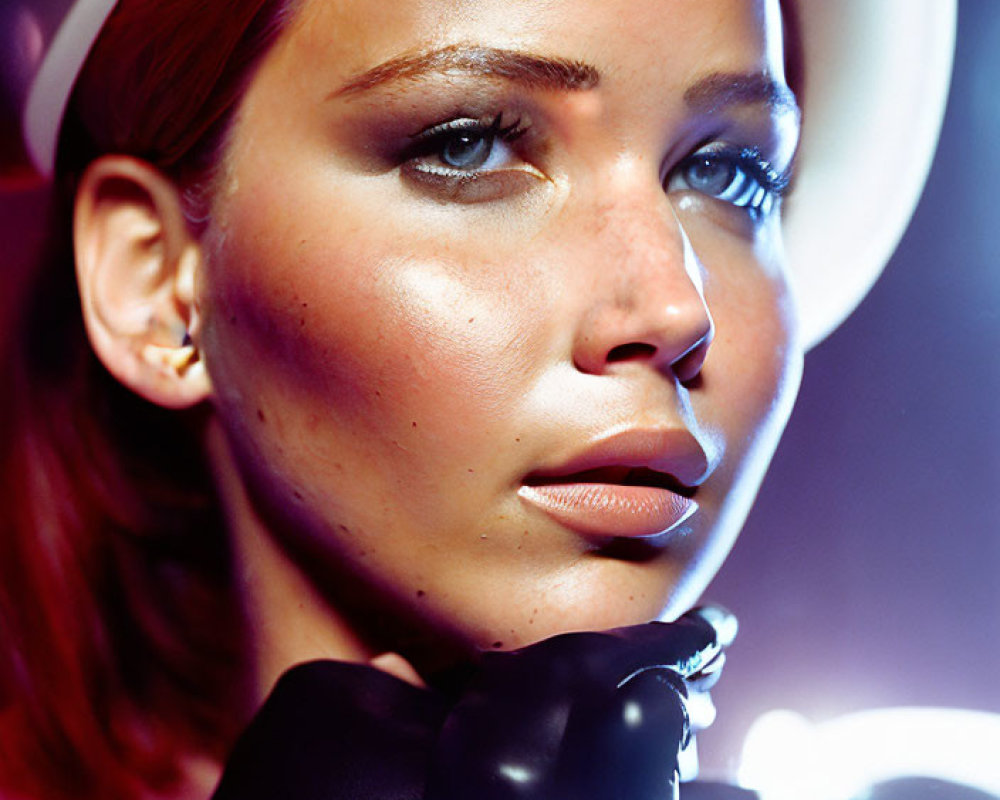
741	178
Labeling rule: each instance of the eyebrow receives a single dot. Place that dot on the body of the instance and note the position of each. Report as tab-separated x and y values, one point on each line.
707	95
720	89
533	71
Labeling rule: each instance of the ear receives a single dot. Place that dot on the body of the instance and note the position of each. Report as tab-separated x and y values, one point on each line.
137	266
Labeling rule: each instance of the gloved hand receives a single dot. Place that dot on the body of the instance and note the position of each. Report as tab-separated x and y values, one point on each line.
581	716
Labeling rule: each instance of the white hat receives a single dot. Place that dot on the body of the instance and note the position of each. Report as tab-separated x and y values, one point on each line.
43	44
877	74
876	78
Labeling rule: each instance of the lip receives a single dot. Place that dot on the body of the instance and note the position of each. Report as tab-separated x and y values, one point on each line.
636	483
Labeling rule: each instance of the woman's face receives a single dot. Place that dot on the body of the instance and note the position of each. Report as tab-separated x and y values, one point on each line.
494	305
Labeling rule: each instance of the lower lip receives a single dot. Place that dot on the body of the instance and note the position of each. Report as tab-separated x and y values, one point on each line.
604	509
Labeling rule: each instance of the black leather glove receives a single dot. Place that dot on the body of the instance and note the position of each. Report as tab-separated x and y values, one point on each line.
582	716
336	731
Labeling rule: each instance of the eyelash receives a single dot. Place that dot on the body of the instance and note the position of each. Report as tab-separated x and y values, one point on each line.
435	140
749	181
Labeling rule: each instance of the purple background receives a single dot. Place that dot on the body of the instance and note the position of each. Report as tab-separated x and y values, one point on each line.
867	573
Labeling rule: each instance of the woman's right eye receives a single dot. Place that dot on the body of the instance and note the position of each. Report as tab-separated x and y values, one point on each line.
465	145
469	150
454	155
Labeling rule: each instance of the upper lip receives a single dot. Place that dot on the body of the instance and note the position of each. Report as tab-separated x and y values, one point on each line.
668	457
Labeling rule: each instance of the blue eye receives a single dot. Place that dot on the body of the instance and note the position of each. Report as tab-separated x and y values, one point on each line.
465	145
467	150
741	178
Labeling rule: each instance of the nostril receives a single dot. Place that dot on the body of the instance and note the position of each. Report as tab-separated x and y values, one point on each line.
630	351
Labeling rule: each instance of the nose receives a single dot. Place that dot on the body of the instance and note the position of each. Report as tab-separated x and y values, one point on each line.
648	303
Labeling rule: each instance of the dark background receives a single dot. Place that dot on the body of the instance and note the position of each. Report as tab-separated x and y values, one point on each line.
867	574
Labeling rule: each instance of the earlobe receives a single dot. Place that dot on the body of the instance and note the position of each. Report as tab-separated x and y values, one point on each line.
137	266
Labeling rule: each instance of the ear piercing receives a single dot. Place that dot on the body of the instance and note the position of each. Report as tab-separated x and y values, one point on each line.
181	358
176	358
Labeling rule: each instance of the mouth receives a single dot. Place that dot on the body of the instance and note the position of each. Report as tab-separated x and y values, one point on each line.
610	502
633	484
619	475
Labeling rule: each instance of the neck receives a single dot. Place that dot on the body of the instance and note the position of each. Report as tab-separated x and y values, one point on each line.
288	618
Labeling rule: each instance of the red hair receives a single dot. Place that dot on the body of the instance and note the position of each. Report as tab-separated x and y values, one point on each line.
120	645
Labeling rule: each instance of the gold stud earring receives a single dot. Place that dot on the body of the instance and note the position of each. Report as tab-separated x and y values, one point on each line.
181	358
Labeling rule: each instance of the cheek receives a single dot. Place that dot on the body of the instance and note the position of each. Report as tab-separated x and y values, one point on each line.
349	352
756	346
752	373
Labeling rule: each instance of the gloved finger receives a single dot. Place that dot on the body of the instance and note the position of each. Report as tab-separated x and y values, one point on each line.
721	618
497	746
626	745
687	645
704	657
704	676
701	709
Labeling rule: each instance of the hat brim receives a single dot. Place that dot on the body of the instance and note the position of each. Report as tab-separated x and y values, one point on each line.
875	82
56	76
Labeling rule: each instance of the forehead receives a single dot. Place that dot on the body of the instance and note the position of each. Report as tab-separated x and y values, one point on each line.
677	39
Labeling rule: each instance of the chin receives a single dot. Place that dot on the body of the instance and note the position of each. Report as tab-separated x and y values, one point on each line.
598	594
